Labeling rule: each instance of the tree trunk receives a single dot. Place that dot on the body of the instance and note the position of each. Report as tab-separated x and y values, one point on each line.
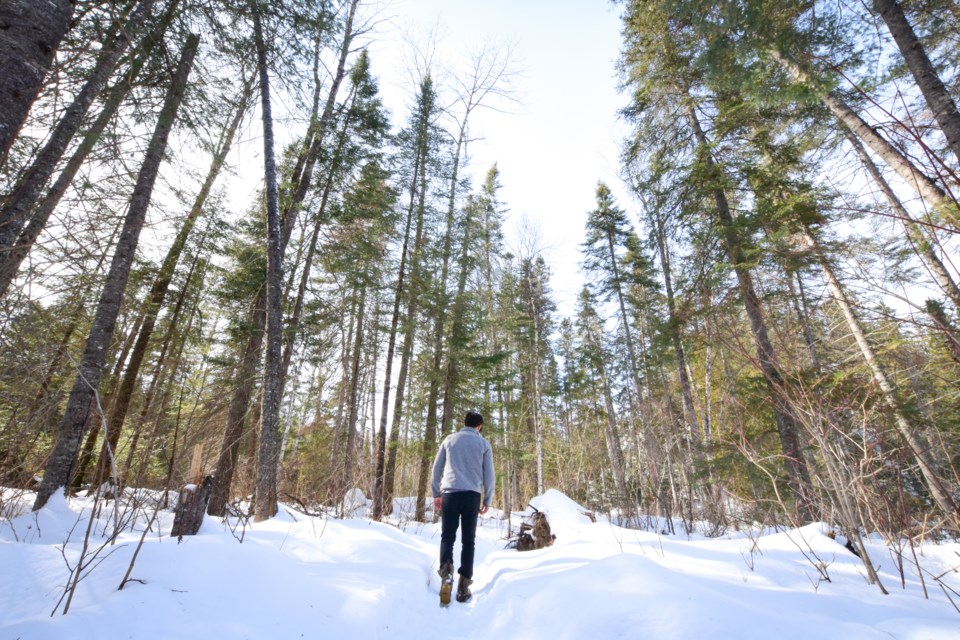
11	259
920	449
15	208
63	457
409	328
914	230
787	423
939	100
535	379
673	328
406	357
265	505
243	392
32	31
160	369
932	194
350	453
612	439
158	291
244	381
293	322
383	485
305	168
452	376
649	439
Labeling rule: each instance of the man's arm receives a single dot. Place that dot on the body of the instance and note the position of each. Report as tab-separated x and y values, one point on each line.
438	464
489	479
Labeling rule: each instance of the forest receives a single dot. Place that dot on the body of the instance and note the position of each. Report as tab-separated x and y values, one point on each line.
768	332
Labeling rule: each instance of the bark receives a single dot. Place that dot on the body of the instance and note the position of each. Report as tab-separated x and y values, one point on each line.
439	323
417	204
350	453
64	454
244	383
649	439
535	379
12	258
452	375
440	319
293	322
787	423
16	207
160	369
265	505
30	34
612	438
335	489
939	100
191	505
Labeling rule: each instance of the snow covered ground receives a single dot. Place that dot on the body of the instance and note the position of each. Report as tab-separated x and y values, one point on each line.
307	577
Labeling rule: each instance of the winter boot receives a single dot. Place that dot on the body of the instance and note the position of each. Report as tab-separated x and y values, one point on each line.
463	589
446	586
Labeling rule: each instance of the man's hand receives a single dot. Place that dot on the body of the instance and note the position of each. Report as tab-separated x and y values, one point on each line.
483	509
437	502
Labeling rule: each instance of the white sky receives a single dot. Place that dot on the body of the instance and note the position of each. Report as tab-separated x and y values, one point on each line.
552	148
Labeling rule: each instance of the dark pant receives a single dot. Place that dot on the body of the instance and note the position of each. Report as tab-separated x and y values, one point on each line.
461	507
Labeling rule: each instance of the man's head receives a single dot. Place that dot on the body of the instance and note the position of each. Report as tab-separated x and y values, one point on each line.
474	420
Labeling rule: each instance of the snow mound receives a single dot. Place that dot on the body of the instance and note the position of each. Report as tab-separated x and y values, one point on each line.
52	523
564	515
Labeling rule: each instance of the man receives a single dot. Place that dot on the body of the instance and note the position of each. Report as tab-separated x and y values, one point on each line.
464	466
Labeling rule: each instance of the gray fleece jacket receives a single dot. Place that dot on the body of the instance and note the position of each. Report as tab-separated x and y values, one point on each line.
464	463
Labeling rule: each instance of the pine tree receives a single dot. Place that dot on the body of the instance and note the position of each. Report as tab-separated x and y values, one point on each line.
83	394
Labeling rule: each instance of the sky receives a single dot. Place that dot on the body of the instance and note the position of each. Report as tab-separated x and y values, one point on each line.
564	135
321	578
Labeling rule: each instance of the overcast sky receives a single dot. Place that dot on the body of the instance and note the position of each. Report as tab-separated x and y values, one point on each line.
564	136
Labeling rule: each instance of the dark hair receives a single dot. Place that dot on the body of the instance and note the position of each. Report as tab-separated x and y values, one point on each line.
473	419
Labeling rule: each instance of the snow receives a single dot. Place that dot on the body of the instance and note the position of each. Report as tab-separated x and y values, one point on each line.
300	576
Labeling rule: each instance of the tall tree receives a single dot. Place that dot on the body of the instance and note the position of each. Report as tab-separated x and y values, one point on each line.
294	193
607	234
15	207
268	461
28	42
161	284
421	139
658	66
939	100
941	491
84	392
595	355
41	208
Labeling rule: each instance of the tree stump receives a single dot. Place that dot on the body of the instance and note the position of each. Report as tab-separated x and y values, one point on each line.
535	534
191	505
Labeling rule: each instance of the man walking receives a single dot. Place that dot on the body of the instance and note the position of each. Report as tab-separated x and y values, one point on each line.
464	466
